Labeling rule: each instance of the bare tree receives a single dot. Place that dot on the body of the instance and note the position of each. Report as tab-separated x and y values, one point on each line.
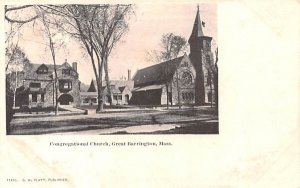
171	46
17	62
112	24
38	14
47	21
212	68
98	27
12	13
80	19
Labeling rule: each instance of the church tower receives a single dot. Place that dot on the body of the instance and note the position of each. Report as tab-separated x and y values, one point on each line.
199	46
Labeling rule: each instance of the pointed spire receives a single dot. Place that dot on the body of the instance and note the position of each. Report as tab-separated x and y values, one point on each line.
197	28
92	87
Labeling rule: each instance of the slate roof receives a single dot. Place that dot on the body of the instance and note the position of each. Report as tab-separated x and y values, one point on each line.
32	68
157	74
122	88
117	86
197	28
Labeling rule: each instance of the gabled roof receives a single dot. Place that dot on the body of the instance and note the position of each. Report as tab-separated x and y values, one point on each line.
197	28
122	88
92	87
32	68
157	74
117	86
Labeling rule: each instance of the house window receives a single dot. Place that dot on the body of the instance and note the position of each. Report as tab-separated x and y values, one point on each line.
35	85
115	97
209	96
65	85
120	97
183	96
42	97
66	71
34	97
42	71
188	96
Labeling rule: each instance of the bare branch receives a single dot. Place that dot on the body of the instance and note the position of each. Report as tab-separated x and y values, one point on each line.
21	21
16	8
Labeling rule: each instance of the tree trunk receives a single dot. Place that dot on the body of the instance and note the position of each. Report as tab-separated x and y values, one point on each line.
216	87
178	90
55	74
100	95
56	92
15	90
107	81
171	94
167	90
211	92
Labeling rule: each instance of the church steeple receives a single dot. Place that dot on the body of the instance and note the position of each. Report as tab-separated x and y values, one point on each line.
199	46
197	29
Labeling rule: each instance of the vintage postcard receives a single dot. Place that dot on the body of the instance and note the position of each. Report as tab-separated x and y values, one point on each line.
150	94
94	74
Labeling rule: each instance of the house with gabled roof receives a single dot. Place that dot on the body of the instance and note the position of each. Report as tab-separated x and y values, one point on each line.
38	89
120	89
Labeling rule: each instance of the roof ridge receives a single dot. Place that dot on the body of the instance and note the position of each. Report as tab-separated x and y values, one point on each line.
162	62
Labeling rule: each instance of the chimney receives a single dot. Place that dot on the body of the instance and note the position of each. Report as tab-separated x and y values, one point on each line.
129	75
74	65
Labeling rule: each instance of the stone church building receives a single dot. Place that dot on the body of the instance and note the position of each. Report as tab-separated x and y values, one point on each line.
185	80
174	77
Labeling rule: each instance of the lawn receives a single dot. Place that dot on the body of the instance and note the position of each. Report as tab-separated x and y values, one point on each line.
189	120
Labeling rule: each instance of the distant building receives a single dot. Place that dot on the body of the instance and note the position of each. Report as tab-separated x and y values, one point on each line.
38	90
120	89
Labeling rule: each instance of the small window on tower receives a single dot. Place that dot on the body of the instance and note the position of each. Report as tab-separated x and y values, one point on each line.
207	45
207	58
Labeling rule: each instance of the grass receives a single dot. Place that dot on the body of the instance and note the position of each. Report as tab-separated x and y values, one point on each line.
190	121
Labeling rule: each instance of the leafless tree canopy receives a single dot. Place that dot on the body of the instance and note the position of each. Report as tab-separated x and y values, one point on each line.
97	27
171	46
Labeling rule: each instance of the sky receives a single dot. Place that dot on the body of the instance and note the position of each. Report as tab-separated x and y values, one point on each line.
146	28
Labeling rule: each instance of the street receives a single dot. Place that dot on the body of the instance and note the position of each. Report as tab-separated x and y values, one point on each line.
184	121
